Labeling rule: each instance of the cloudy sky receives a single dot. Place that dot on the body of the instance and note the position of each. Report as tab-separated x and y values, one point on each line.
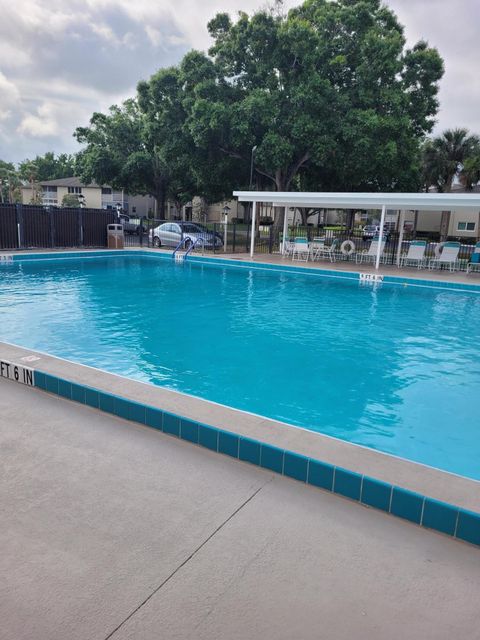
60	60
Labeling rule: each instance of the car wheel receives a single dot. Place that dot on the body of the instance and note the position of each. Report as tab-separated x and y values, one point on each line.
156	242
188	244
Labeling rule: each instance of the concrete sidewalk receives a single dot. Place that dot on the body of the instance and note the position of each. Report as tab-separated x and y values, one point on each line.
112	530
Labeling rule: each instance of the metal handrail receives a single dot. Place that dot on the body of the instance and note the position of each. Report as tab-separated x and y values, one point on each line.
190	248
178	247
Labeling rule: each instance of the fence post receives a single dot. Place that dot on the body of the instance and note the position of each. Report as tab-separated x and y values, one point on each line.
80	226
233	237
20	225
214	235
270	239
51	226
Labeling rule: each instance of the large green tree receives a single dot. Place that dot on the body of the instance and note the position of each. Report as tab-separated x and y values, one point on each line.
9	183
328	95
119	152
48	167
328	90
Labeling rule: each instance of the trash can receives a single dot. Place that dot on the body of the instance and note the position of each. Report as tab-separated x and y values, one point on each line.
115	236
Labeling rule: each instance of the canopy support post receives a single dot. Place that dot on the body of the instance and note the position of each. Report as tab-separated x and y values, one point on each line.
252	231
401	224
380	237
285	229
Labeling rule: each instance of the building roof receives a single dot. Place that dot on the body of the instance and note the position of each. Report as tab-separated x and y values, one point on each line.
69	182
331	200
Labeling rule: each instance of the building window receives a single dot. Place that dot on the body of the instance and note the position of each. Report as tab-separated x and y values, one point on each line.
106	191
74	189
49	189
466	226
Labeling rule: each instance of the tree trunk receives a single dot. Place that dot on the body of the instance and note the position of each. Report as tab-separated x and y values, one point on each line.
280	212
160	197
350	217
444	224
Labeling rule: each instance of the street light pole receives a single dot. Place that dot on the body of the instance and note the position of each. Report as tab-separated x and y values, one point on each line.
252	156
251	166
226	210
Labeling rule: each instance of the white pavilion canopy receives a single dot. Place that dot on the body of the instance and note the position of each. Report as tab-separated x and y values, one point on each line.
382	201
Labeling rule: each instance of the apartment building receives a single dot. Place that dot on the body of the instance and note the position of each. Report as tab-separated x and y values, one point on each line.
52	193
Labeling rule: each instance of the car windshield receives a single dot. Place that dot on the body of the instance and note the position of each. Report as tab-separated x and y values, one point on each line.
191	228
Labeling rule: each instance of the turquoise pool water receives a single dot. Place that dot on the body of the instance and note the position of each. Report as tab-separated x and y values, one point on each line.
394	368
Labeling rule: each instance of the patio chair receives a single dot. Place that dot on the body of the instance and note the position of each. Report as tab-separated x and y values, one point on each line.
289	245
301	249
415	255
448	256
316	246
324	251
474	262
371	254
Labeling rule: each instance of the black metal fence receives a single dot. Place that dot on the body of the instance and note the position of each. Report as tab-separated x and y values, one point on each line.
213	237
37	227
356	242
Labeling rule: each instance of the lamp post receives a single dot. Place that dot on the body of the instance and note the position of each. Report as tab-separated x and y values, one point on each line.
118	207
81	200
251	165
252	159
226	210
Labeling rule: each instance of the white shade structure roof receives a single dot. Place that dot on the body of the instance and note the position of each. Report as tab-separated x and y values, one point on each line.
330	200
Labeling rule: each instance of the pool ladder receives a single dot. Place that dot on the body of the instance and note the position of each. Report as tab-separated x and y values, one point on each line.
181	257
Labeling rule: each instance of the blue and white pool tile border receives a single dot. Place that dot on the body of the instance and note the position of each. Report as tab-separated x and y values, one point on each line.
419	509
356	274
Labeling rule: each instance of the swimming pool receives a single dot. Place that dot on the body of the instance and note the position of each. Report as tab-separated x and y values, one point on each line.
391	368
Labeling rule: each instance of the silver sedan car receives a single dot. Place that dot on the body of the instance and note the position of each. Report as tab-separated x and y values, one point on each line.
169	234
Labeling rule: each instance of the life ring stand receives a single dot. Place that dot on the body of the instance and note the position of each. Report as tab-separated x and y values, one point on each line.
439	249
347	247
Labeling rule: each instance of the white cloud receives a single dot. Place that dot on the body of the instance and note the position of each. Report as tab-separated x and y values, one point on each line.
9	97
64	59
13	56
41	124
154	35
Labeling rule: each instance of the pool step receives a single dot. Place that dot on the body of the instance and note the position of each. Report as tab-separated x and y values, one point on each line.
180	257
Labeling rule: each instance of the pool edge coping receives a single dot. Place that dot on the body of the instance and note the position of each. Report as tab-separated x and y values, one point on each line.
219	260
420	508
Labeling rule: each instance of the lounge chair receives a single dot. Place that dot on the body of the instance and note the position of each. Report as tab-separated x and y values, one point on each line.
448	256
474	262
324	251
415	255
301	249
316	246
289	245
371	254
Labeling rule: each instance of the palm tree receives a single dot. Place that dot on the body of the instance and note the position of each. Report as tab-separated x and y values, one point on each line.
445	155
470	173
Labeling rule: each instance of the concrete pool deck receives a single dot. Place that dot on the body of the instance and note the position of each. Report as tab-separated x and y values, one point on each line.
420	479
114	530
